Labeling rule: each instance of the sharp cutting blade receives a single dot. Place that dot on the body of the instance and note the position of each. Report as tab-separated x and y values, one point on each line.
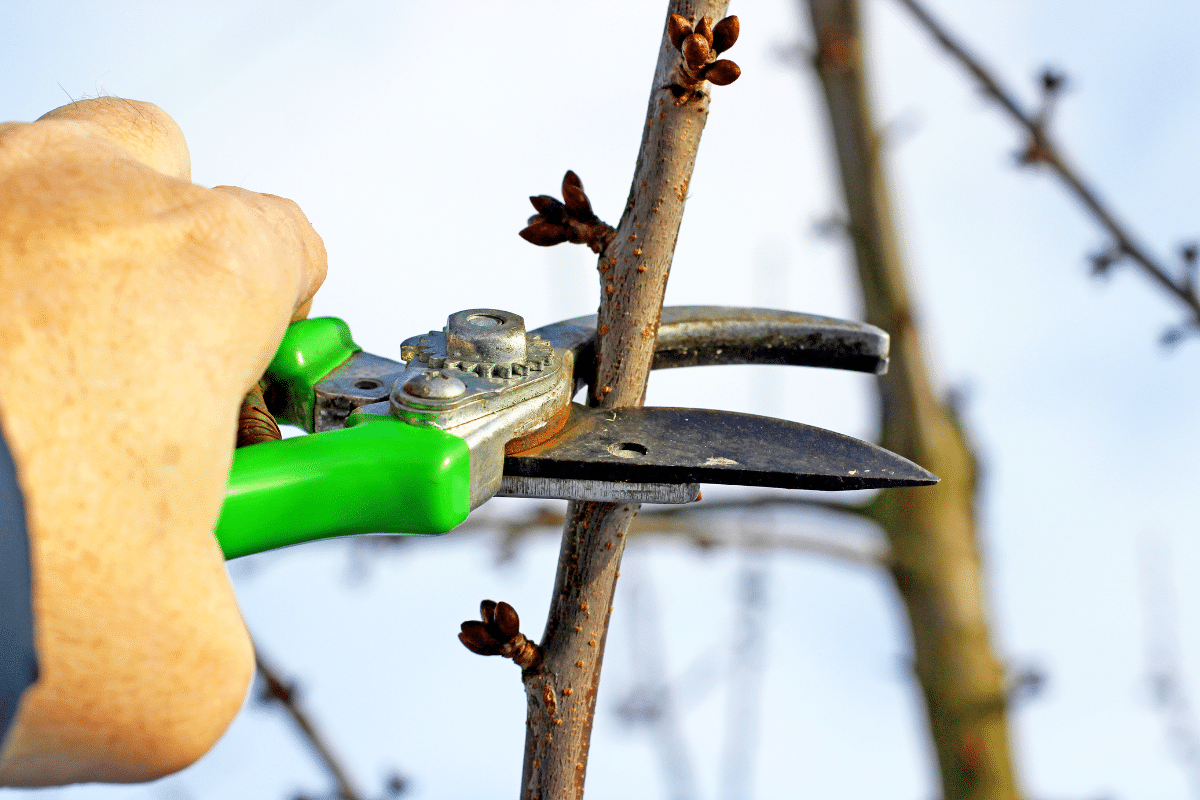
688	445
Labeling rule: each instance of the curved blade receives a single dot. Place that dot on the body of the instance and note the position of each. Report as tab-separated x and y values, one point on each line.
688	445
691	336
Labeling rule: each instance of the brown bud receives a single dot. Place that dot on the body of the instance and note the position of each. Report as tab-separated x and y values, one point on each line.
725	34
572	179
577	203
475	638
678	28
549	208
507	621
723	72
695	50
487	611
545	234
705	28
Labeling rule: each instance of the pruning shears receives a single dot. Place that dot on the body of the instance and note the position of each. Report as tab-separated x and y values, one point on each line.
484	408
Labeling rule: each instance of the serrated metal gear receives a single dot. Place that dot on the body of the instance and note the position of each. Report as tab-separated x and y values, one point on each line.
432	349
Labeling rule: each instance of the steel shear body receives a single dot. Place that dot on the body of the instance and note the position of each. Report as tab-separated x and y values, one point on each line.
483	408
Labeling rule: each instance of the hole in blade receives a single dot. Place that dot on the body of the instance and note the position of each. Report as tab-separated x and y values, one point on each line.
628	450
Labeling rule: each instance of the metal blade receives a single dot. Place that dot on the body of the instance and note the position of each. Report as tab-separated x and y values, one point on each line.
688	445
691	336
601	491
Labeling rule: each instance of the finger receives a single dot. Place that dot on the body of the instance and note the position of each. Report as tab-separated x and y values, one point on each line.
143	130
300	243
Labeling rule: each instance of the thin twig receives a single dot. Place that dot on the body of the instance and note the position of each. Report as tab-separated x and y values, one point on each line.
634	266
1043	150
280	690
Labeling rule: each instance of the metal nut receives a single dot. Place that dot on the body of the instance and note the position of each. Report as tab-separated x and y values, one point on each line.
485	335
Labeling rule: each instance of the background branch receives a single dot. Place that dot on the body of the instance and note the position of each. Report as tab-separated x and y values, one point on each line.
1043	150
279	689
935	551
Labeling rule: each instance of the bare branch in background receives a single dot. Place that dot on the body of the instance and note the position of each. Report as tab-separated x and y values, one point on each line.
705	527
1041	150
935	551
841	532
1164	663
280	690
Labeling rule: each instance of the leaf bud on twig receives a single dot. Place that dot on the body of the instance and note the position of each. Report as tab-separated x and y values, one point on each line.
725	34
545	234
550	209
498	634
695	50
570	221
705	28
723	72
577	203
1052	80
677	29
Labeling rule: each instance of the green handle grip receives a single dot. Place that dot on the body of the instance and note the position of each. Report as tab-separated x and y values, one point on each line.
310	350
379	476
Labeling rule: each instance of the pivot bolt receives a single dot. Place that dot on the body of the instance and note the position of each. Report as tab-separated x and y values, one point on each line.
435	385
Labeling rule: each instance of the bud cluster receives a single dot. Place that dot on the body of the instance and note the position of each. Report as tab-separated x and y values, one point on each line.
498	634
699	46
568	220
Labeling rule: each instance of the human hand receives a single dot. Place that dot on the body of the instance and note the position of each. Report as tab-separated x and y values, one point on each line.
136	310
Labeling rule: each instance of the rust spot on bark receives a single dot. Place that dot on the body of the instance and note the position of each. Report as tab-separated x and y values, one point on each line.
568	691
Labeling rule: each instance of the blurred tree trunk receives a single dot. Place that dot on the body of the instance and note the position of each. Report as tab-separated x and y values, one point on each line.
936	560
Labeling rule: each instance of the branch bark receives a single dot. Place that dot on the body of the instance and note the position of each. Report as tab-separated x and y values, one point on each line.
562	685
935	552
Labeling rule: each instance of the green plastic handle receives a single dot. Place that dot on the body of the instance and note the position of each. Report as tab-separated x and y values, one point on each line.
380	475
310	350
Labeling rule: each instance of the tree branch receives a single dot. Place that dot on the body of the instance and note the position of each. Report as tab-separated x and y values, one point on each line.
1043	150
935	552
278	689
634	266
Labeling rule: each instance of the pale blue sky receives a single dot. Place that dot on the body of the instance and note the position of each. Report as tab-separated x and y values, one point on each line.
412	133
